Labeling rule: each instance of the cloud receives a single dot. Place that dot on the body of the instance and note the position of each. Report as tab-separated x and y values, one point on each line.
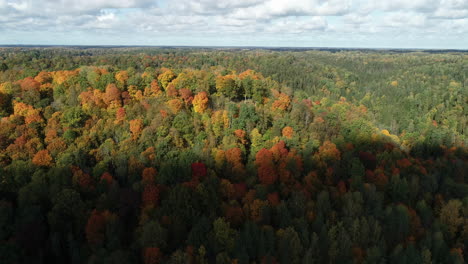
417	5
279	8
452	9
356	19
404	20
74	6
298	26
229	21
212	7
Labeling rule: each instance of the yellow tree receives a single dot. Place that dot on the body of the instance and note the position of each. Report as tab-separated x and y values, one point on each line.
226	85
288	132
122	77
43	77
200	102
166	77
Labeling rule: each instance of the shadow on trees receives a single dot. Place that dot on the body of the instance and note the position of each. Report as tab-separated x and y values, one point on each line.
48	219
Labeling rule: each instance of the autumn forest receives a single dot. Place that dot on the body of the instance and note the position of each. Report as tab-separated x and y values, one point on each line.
211	155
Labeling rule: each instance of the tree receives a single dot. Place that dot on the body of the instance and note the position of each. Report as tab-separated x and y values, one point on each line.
289	246
152	234
240	134
329	152
186	95
150	195
450	216
288	132
122	77
95	228
136	125
200	102
107	178
199	170
152	255
166	77
219	122
227	86
171	91
3	67
266	171
112	95
154	89
29	84
260	91
67	211
43	77
282	102
61	77
149	175
82	179
73	117
42	158
175	105
234	159
397	224
5	102
223	234
120	114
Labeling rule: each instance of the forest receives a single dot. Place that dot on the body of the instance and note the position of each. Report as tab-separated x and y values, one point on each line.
229	155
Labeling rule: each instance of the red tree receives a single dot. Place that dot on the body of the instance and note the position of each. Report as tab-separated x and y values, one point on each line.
198	170
150	195
149	175
186	95
107	177
95	228
267	173
112	94
151	255
29	84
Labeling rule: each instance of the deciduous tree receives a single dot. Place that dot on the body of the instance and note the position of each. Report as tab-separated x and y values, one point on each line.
200	102
42	158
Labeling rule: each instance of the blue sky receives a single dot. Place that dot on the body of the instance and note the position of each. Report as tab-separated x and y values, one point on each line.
297	23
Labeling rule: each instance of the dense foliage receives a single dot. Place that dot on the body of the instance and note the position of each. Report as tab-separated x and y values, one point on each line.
232	156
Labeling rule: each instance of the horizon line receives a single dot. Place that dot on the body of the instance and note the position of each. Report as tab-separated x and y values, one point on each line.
228	47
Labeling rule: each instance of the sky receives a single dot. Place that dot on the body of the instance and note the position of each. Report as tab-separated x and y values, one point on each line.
431	24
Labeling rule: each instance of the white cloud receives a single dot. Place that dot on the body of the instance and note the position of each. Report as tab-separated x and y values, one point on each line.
296	26
404	20
356	19
280	8
152	20
450	13
22	6
420	5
